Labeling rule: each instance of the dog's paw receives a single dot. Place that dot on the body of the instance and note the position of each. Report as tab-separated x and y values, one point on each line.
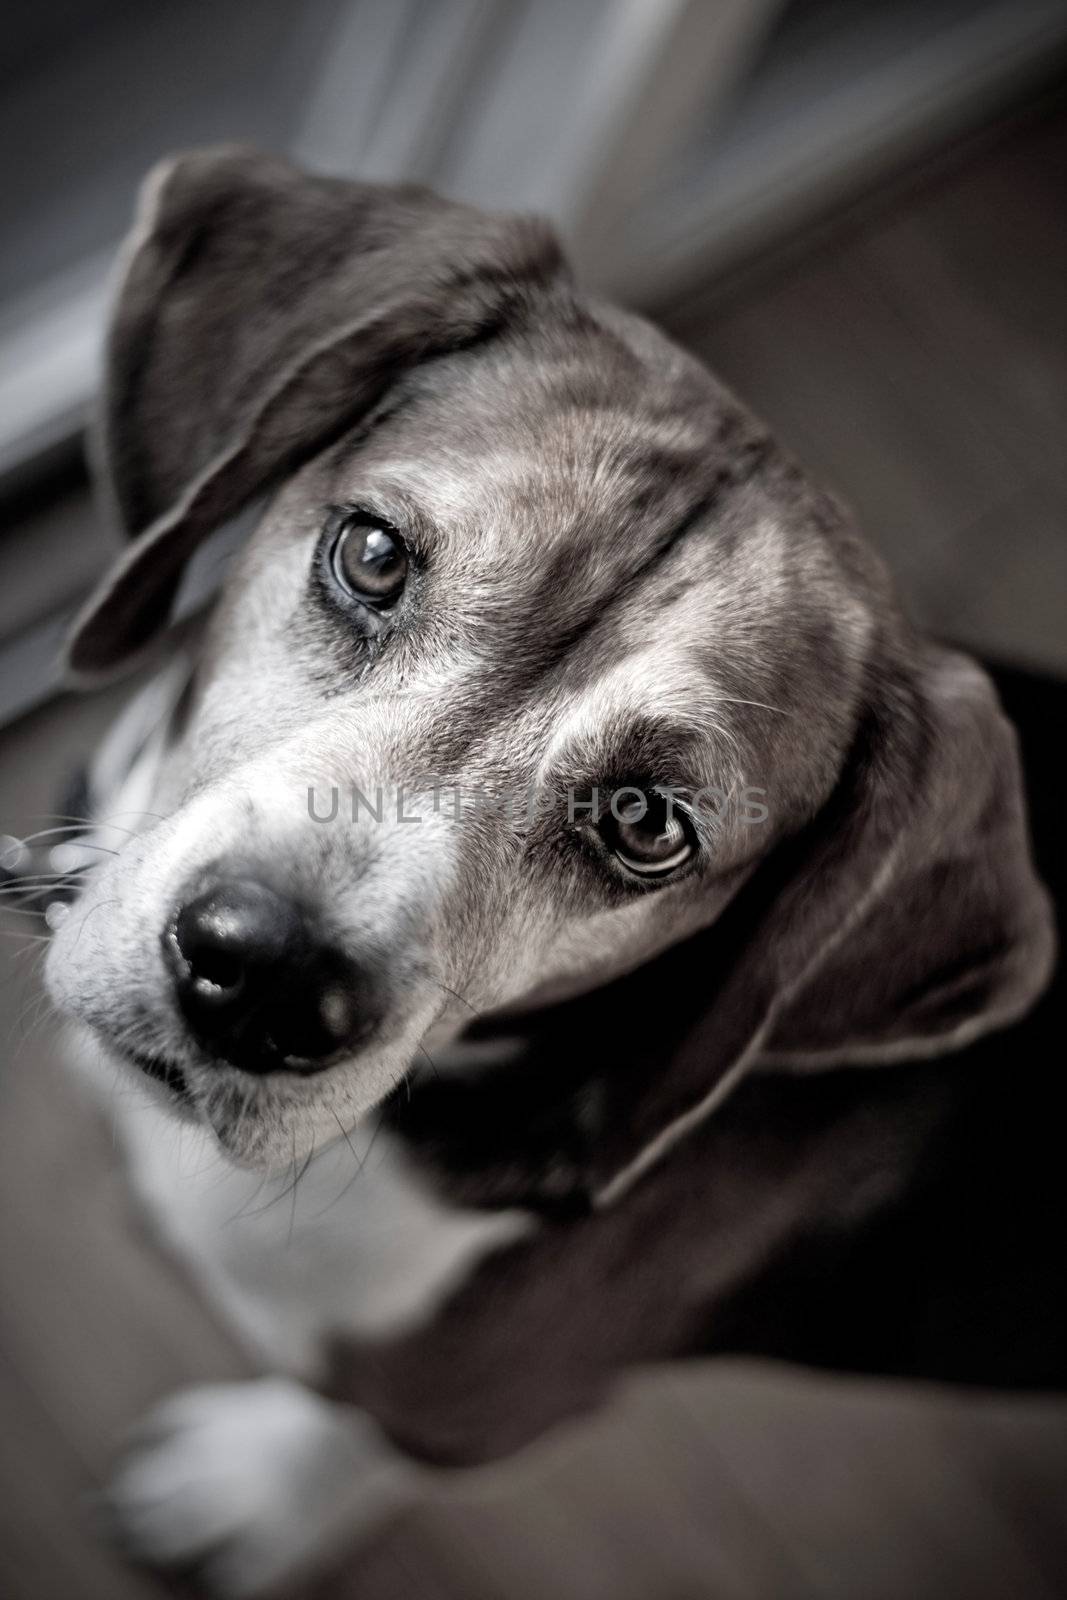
248	1486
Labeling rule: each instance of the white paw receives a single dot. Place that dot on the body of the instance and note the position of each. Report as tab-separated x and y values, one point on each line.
246	1486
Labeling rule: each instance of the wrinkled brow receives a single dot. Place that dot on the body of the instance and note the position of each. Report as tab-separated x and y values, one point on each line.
635	748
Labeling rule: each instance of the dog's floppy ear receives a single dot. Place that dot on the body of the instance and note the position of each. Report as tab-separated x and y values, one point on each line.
260	312
904	920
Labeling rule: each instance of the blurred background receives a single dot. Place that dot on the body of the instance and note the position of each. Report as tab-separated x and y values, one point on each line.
854	211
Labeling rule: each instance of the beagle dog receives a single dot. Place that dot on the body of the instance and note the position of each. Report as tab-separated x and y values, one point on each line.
555	766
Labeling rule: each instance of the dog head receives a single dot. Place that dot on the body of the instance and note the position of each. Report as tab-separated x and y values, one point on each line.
542	658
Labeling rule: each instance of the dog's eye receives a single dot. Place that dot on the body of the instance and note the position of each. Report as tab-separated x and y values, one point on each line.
369	560
648	836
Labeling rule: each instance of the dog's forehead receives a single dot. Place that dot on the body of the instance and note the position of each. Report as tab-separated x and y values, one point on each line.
590	476
608	547
555	476
604	530
563	436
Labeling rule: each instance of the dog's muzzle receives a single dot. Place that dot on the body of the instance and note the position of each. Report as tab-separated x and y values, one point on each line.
258	986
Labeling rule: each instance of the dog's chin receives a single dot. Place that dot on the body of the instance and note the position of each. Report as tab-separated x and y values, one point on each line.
257	1137
248	1133
264	1121
269	1122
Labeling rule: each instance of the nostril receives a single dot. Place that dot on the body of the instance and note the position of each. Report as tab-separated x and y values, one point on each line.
209	947
214	966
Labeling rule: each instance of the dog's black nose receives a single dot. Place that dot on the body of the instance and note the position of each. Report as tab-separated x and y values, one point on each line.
255	985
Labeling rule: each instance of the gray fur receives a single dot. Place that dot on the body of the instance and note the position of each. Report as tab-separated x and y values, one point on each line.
618	570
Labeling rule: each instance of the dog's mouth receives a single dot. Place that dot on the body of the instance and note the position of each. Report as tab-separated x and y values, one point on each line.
161	1071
